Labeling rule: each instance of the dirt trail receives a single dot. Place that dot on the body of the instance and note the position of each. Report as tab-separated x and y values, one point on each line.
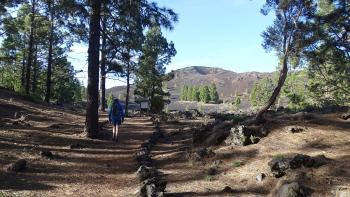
98	168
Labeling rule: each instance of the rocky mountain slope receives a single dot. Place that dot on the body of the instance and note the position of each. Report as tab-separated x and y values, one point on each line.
228	83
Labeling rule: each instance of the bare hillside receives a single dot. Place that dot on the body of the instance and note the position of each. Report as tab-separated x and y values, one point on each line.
228	83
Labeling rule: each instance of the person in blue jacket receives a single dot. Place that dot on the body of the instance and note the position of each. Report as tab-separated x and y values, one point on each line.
116	117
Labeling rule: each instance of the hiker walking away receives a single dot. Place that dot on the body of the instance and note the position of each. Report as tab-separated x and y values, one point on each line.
116	117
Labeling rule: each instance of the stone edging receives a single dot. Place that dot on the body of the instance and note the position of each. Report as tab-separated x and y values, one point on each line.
151	184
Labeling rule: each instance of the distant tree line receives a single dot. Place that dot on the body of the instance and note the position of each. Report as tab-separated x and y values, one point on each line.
203	94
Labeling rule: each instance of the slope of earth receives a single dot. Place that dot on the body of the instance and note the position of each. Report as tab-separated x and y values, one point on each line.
95	167
228	83
237	167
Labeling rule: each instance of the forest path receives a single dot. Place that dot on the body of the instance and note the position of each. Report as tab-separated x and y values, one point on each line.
96	167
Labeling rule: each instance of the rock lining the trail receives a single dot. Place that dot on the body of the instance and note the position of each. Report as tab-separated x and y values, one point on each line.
47	154
18	166
151	183
280	165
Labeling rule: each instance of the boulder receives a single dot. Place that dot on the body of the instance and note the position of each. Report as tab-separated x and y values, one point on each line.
291	190
145	172
152	187
278	166
299	160
242	135
18	166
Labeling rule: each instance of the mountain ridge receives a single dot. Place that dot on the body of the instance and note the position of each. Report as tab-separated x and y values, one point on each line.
229	83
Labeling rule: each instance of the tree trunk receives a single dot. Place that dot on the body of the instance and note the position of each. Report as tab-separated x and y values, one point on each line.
282	78
91	122
35	70
103	65
127	89
30	49
49	57
23	74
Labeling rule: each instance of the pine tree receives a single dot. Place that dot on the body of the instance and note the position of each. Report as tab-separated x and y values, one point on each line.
156	53
91	122
185	93
197	93
238	101
204	94
190	93
214	96
284	38
110	99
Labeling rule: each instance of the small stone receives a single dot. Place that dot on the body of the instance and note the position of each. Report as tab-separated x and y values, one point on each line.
228	189
260	177
345	116
295	129
212	171
217	162
46	153
17	166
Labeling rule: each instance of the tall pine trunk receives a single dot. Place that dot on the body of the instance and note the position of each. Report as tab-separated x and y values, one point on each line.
49	57
282	78
91	122
30	49
35	70
127	89
103	64
23	70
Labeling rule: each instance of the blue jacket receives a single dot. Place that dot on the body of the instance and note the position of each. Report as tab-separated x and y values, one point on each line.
116	118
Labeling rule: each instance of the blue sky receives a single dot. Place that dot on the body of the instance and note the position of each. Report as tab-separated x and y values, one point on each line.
222	33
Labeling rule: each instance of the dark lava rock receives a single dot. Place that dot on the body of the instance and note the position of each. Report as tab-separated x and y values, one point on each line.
212	171
291	190
17	166
315	162
299	160
152	187
228	189
295	129
46	153
278	166
76	146
145	172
